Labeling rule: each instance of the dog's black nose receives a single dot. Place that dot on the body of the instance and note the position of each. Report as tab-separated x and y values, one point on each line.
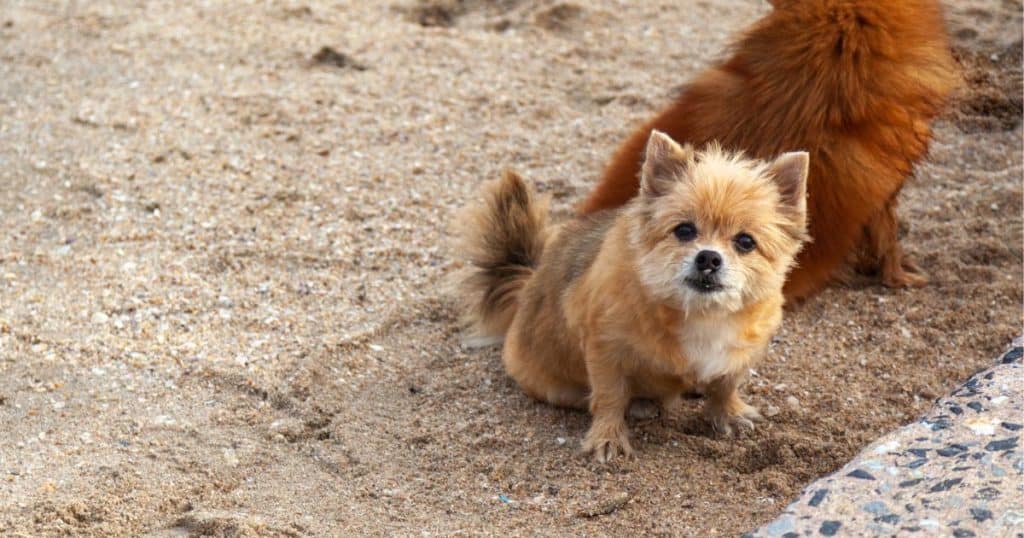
708	261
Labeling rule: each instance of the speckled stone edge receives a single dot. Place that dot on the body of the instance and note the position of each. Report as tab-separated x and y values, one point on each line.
958	471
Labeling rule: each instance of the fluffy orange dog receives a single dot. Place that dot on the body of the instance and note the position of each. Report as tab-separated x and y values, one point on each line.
854	83
681	289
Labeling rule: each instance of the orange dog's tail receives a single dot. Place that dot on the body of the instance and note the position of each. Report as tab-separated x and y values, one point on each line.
503	238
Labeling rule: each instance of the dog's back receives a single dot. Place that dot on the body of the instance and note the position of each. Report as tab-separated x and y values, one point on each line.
853	82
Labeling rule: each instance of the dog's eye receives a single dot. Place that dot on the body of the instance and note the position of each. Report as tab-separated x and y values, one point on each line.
685	231
744	242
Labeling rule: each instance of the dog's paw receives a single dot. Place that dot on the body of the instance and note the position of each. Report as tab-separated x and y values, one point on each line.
904	275
606	442
725	424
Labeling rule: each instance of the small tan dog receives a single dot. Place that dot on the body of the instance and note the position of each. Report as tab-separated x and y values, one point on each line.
681	289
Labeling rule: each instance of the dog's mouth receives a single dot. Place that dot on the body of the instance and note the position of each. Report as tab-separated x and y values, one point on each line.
704	283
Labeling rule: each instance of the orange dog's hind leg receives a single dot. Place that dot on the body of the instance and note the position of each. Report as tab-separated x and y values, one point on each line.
882	253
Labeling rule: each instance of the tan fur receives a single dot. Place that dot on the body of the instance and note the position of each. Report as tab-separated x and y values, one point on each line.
607	314
503	239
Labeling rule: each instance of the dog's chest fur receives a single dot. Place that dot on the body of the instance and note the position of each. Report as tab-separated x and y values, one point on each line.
708	346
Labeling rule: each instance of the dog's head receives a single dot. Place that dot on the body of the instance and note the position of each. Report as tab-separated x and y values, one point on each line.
715	231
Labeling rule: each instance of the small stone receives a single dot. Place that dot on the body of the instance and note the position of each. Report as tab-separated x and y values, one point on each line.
817	497
606	505
829	528
987	494
891	519
945	485
560	440
861	474
876	507
100	318
1005	444
1013	355
771	411
951	450
793	402
981	514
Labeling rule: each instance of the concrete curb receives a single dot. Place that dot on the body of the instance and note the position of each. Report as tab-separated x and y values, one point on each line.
957	471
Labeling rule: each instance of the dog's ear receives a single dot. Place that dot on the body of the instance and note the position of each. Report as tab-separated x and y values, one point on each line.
665	162
790	173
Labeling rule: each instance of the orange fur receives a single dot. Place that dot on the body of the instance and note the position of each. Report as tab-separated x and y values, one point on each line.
853	82
616	306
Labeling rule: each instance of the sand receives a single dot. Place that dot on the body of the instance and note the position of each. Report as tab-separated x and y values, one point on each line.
222	274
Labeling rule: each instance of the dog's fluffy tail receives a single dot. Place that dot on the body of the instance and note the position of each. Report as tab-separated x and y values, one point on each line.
503	237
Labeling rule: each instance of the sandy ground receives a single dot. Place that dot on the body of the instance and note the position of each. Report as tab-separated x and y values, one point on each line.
222	269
